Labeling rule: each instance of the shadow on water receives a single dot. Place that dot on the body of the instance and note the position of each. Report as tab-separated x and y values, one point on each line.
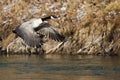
58	67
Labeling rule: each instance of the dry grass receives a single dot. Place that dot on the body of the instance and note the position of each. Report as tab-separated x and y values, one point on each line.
88	24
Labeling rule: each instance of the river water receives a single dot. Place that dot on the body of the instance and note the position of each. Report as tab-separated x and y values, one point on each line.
58	67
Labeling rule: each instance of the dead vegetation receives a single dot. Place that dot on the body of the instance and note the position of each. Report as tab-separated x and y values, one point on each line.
91	26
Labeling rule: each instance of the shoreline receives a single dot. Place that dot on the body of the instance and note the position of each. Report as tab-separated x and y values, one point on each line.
90	27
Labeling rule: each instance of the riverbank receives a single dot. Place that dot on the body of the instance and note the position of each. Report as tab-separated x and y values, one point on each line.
90	27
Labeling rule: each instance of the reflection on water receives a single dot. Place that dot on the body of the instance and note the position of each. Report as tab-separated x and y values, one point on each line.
57	67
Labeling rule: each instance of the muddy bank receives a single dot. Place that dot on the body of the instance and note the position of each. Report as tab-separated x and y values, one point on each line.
90	27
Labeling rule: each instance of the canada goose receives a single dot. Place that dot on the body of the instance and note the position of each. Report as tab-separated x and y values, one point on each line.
30	31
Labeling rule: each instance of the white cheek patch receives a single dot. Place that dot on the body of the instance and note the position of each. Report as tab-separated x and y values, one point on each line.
52	17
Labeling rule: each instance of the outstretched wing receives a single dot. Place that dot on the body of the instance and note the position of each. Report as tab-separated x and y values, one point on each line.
30	37
47	30
33	40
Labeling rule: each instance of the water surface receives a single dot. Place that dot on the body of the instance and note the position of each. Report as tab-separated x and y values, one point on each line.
58	67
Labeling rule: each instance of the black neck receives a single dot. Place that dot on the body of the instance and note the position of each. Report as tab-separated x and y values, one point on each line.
46	18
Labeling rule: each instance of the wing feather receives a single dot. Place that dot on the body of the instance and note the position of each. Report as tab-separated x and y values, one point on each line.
47	30
30	37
